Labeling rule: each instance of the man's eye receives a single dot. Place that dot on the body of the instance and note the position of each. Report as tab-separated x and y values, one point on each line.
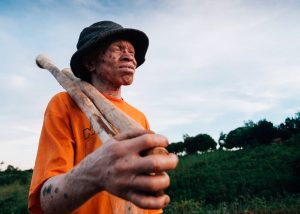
131	51
116	48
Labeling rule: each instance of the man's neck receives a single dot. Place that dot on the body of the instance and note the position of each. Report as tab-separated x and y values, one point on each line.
107	89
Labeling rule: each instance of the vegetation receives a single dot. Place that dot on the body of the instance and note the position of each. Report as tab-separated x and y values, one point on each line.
261	179
251	134
255	169
14	185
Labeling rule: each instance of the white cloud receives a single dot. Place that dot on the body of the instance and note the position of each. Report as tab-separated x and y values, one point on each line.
210	66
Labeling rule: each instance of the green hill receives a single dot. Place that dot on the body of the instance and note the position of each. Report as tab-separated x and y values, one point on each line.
261	179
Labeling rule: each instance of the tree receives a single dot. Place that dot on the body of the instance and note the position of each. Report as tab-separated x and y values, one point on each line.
11	168
239	137
264	132
291	125
221	140
249	124
185	136
1	163
201	142
176	148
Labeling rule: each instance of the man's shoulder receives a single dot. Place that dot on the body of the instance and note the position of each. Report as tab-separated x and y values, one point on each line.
133	109
61	101
61	98
63	95
135	114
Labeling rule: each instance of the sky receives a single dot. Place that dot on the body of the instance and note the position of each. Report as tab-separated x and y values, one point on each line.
210	67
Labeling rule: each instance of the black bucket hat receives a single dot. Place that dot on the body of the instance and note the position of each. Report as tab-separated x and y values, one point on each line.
100	32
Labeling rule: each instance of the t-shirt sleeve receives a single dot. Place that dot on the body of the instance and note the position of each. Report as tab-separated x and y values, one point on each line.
147	126
155	211
55	153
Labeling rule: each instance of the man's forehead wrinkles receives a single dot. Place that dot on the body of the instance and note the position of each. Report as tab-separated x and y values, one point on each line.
123	43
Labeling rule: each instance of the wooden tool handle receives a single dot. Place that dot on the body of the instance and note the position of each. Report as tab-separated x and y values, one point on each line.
79	97
106	119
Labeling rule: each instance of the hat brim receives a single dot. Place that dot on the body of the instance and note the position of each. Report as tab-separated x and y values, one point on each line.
137	38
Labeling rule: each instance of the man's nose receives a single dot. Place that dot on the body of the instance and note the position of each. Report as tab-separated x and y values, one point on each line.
129	56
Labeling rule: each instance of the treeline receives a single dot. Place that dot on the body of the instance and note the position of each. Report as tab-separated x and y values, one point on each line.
251	134
257	179
263	176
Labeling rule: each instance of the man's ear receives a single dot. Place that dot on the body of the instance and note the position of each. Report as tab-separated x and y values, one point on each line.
89	65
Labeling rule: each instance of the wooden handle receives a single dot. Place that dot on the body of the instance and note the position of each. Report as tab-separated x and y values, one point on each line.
106	119
117	118
79	97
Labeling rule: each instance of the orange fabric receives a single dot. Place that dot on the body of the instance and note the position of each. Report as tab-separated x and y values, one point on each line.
67	138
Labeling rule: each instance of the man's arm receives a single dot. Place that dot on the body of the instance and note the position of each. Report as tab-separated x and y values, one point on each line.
118	168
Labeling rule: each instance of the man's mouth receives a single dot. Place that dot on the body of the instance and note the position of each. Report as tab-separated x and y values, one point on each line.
127	67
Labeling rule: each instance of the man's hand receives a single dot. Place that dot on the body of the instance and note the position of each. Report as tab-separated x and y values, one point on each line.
131	176
118	167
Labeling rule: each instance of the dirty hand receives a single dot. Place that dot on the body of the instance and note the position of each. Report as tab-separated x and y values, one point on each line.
121	169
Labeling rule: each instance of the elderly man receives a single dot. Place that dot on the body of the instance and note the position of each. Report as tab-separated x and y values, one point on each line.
74	172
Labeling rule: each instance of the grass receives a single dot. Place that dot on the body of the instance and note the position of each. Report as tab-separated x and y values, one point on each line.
289	204
13	198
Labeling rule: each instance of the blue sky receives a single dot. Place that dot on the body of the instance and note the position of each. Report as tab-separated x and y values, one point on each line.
211	65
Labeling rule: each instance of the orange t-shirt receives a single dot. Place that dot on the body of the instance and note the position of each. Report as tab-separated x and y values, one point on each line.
66	138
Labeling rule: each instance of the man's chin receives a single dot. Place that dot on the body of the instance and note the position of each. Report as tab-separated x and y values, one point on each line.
126	82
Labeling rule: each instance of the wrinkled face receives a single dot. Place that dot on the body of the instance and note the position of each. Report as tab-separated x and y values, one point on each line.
117	64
